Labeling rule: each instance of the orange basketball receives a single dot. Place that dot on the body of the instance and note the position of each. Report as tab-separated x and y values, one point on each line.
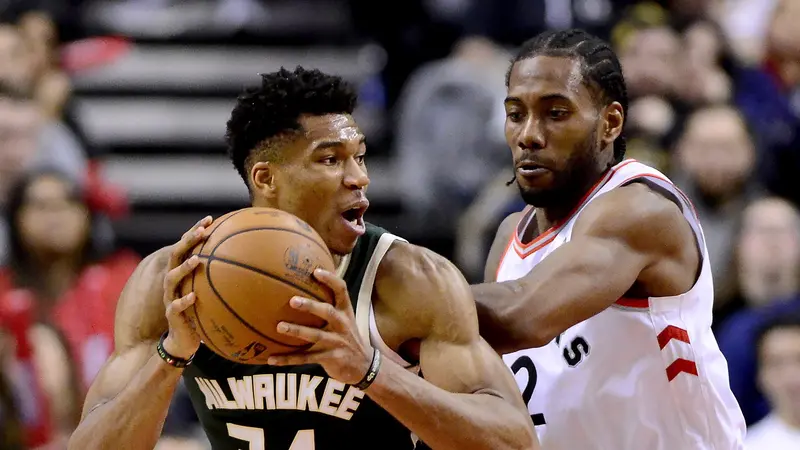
252	263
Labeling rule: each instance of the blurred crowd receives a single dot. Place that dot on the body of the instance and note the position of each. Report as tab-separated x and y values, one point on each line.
714	91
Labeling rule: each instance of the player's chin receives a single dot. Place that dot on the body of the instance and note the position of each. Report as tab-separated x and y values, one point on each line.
343	235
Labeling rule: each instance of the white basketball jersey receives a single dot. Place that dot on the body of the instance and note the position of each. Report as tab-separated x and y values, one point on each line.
644	374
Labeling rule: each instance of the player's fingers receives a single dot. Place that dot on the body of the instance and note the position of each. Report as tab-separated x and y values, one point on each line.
188	241
294	359
335	284
176	275
324	311
176	307
309	334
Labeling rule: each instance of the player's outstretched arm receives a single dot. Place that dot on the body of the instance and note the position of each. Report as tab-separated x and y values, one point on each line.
468	399
127	404
630	241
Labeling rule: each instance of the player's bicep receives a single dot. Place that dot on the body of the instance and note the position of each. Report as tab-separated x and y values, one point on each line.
467	368
138	324
453	355
117	372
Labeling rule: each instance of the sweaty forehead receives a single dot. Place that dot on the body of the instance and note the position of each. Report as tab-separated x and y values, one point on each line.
541	76
339	127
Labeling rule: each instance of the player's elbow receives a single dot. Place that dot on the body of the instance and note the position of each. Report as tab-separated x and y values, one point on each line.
519	434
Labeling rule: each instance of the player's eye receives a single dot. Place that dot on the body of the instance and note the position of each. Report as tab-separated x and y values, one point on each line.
558	114
514	116
329	161
360	159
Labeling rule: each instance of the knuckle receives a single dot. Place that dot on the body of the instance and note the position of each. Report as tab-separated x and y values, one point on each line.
169	279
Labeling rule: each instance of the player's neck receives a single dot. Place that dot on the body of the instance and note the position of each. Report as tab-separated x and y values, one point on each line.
789	418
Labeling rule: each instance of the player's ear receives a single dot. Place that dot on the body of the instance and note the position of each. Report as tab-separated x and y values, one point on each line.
262	179
613	119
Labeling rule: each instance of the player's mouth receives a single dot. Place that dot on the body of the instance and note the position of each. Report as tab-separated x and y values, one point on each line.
530	169
353	217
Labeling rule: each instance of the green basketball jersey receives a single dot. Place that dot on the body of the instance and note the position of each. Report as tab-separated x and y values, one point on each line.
246	407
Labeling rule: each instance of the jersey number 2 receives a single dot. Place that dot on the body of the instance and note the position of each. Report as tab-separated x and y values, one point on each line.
526	363
303	440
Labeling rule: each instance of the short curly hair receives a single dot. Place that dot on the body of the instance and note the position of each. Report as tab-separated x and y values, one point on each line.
266	115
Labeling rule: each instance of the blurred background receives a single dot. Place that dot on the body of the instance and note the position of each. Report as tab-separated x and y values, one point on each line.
113	112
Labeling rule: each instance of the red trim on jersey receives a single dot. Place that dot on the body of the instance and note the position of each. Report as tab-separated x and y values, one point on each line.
525	250
505	252
681	365
670	333
642	303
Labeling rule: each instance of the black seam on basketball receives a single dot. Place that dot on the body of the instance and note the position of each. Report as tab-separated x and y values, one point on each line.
235	314
203	245
200	322
288	230
208	275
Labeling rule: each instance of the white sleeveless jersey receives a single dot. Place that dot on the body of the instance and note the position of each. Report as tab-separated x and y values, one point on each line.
644	374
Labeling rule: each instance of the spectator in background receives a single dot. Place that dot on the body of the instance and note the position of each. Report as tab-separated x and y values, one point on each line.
768	266
30	65
714	163
769	97
28	140
11	437
778	348
63	271
449	140
50	85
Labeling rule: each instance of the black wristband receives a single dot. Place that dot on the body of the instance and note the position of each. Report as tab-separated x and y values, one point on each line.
173	361
372	373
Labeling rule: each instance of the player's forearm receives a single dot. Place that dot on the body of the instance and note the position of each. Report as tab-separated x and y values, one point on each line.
498	306
444	420
134	418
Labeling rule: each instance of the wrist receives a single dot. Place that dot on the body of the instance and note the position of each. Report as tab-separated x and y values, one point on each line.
372	371
172	354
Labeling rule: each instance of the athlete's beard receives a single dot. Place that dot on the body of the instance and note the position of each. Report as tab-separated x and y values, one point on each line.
570	184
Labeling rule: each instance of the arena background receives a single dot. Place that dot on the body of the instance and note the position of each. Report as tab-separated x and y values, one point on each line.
135	95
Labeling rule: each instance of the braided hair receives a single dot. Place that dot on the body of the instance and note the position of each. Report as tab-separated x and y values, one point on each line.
601	68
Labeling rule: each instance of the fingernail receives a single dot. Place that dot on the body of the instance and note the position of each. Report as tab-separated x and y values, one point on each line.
296	302
272	360
282	327
318	271
194	259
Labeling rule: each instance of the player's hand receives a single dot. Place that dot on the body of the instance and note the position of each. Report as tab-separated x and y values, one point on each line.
338	347
182	341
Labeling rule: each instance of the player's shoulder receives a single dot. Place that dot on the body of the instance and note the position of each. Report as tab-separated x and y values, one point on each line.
636	213
421	286
508	225
406	261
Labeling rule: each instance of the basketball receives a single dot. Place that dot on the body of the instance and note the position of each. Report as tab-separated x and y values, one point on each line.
252	263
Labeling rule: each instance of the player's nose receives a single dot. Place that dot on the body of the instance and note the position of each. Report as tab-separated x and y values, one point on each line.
356	176
531	135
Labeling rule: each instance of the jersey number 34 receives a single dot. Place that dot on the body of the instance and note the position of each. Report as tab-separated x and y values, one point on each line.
303	440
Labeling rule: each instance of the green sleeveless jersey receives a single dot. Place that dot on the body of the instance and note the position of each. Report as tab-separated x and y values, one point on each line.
247	407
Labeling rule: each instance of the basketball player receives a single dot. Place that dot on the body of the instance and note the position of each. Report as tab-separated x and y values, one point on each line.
599	293
399	309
